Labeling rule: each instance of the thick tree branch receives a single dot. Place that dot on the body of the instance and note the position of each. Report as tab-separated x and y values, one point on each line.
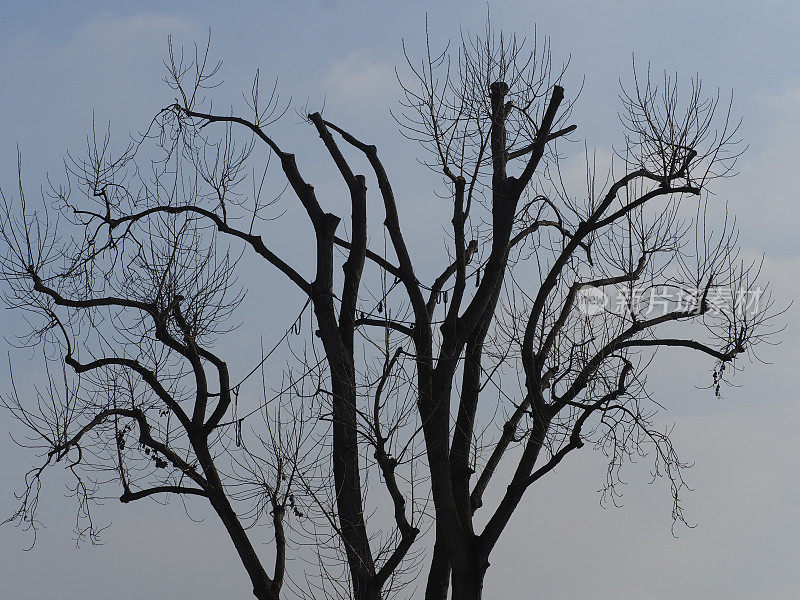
129	496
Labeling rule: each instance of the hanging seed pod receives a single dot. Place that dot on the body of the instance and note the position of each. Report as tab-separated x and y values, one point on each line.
477	278
445	296
380	306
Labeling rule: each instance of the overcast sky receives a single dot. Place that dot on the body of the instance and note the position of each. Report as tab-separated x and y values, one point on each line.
62	62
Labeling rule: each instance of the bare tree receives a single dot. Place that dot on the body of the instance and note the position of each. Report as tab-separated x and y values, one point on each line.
402	394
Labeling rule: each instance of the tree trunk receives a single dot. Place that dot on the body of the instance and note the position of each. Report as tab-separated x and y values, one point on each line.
468	580
439	574
263	586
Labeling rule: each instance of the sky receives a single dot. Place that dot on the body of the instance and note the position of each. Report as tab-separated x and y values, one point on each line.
63	64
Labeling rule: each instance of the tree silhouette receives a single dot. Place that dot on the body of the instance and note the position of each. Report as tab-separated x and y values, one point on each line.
402	401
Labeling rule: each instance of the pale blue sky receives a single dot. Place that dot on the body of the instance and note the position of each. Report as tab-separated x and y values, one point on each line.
60	62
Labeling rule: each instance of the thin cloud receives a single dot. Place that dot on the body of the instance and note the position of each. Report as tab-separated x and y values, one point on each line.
117	31
359	76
